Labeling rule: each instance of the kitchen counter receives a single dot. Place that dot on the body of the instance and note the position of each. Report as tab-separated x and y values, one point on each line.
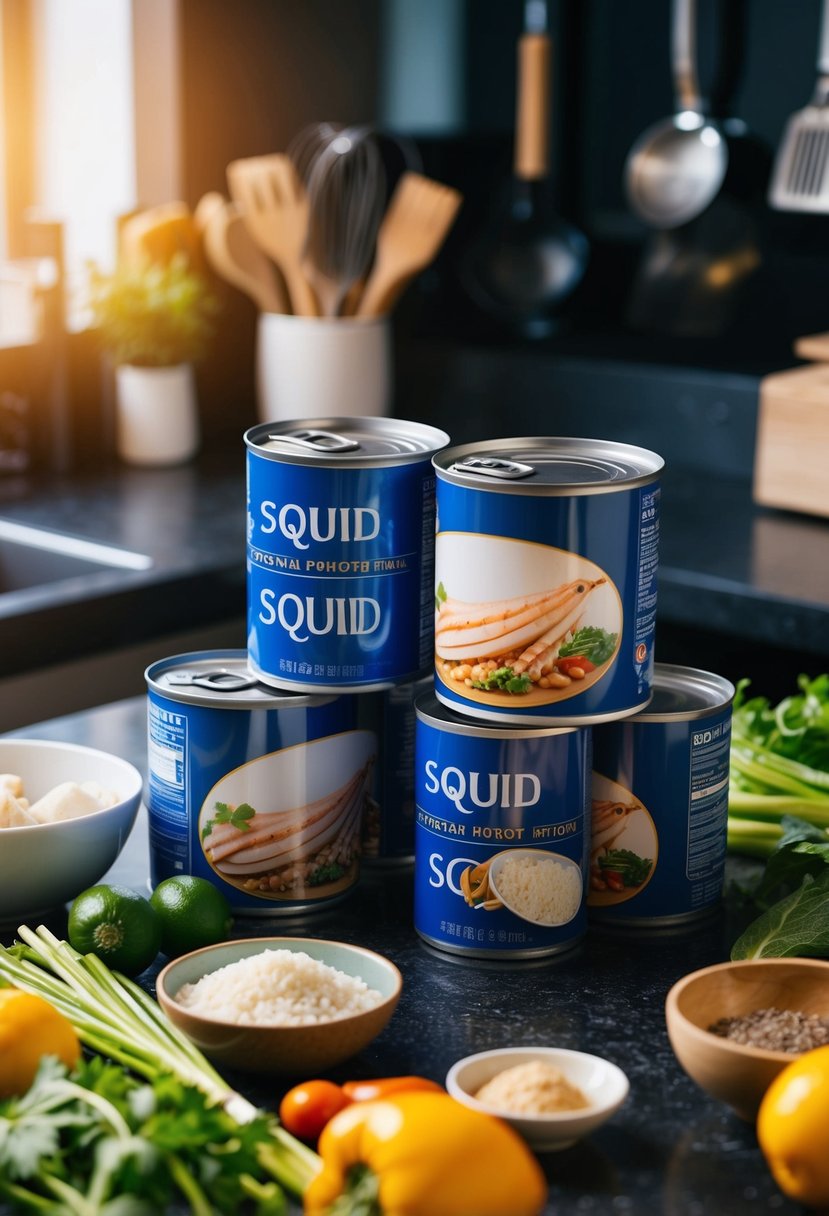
670	1150
189	521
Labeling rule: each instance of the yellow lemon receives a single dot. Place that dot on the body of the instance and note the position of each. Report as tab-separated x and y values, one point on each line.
792	1128
31	1028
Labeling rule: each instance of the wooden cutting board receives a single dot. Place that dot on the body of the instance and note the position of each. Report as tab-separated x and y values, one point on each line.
791	462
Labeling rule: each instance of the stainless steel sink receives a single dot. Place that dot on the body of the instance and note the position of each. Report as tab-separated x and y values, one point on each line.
33	557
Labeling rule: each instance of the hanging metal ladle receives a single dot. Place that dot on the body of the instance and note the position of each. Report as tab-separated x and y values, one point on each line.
676	168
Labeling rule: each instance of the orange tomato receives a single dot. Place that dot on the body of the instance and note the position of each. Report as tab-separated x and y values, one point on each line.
305	1109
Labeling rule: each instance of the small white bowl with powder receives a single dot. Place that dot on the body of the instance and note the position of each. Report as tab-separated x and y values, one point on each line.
550	1095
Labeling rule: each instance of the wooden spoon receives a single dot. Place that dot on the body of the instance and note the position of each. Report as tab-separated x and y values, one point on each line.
414	227
235	257
274	206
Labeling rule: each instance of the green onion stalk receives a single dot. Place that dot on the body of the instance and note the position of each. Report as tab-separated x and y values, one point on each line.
113	1016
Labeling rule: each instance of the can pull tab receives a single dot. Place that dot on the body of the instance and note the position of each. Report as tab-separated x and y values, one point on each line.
318	441
491	466
216	681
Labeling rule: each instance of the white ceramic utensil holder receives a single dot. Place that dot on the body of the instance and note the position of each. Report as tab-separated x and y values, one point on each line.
157	419
312	367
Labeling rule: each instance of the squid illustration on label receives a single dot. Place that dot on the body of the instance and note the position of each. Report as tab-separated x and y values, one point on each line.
623	845
553	639
287	826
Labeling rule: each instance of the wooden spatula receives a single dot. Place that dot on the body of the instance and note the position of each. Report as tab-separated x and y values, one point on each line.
234	256
272	201
414	227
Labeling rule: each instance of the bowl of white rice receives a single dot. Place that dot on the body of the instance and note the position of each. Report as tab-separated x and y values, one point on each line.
282	1005
541	887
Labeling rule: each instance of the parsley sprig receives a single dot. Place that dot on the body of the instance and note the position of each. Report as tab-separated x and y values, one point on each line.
237	816
99	1141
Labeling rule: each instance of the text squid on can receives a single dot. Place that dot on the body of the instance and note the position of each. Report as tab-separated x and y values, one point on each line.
340	552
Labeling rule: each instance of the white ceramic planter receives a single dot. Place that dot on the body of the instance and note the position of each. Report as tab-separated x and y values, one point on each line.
157	421
313	367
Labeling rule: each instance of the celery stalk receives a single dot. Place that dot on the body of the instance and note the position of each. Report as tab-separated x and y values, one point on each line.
107	1010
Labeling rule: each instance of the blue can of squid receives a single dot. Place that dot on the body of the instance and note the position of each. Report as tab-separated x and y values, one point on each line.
501	835
660	803
545	579
340	552
261	793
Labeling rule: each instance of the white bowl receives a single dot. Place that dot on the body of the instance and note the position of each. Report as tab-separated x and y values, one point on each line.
537	856
45	865
603	1084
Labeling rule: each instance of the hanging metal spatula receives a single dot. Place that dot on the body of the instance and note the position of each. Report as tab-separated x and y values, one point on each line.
800	181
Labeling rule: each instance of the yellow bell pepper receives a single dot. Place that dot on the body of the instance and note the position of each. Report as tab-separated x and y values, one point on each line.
424	1154
31	1028
791	1128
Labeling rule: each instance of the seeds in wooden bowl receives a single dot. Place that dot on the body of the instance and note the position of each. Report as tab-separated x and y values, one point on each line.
775	1030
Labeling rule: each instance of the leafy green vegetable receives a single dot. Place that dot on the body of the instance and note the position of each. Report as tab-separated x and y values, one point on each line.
794	927
779	764
237	816
801	850
440	596
96	1136
595	644
505	679
632	868
115	1017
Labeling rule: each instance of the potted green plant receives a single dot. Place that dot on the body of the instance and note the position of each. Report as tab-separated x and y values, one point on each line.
155	321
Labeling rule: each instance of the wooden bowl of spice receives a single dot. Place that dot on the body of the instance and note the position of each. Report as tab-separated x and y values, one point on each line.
735	1026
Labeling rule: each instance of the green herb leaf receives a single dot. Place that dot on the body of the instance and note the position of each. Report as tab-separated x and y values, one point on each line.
802	849
632	868
100	1133
324	874
440	596
797	926
595	644
504	679
236	816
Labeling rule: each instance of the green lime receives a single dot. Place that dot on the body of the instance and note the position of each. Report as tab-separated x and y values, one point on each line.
118	925
193	913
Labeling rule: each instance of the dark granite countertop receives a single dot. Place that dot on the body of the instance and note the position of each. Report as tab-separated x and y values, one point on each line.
670	1150
753	576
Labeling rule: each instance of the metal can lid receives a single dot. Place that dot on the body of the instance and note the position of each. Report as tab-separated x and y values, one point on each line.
433	712
220	679
351	442
685	693
548	466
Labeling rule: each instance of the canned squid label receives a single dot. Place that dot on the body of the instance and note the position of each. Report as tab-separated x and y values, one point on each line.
288	824
500	841
545	597
339	595
264	796
557	637
660	803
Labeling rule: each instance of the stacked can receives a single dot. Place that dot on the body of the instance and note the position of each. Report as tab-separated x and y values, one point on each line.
545	610
272	769
545	606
